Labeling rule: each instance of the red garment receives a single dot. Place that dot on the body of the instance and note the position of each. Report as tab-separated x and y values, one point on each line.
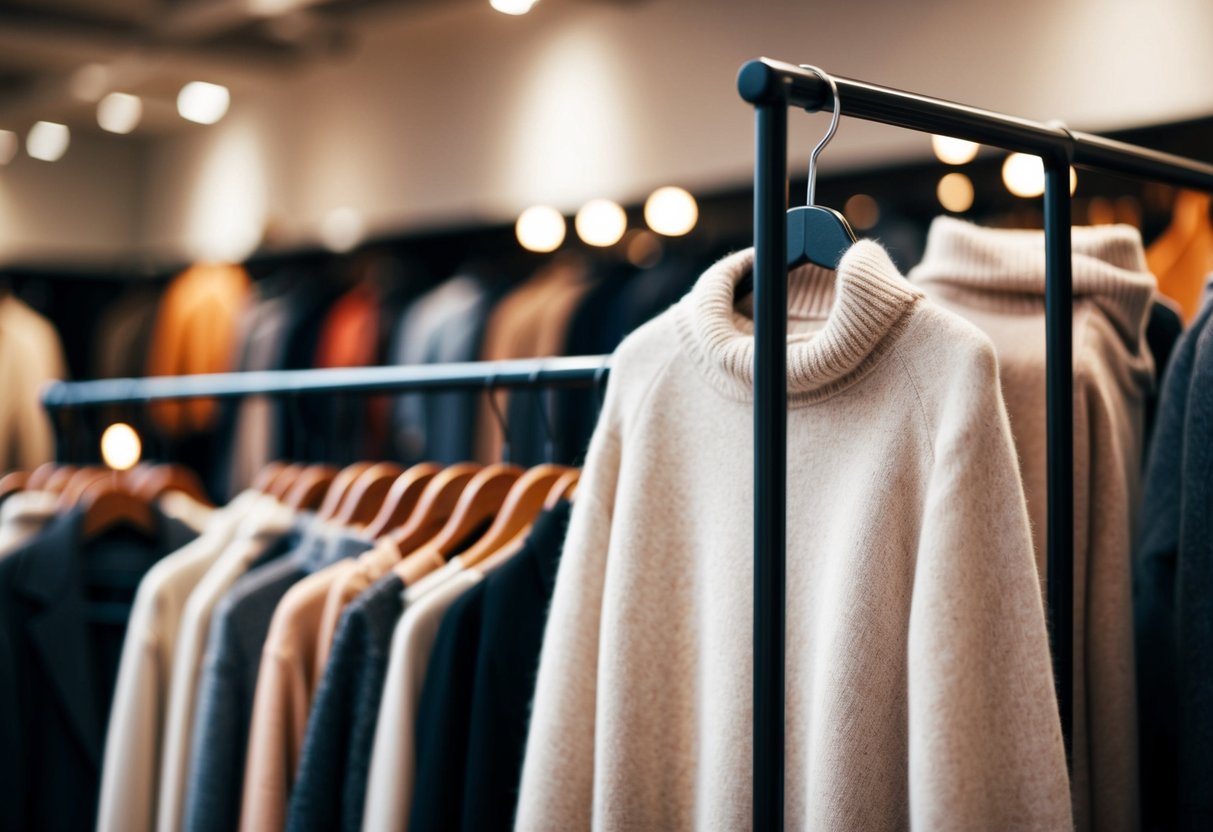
349	337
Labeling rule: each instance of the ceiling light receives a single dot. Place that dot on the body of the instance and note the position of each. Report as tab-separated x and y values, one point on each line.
270	8
119	112
8	146
1024	175
600	222
89	82
342	229
644	248
540	228
202	102
955	193
952	151
512	6
48	141
862	211
120	446
671	211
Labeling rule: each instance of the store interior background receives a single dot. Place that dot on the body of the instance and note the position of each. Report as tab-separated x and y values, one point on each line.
428	125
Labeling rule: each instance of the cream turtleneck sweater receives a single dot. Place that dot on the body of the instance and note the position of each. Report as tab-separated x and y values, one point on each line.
996	280
919	690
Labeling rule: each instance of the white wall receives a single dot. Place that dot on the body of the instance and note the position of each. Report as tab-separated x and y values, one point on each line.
83	208
463	113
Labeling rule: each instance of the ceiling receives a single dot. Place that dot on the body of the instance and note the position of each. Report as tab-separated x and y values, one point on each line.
58	57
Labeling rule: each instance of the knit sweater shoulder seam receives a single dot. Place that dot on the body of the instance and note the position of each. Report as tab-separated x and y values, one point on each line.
922	408
648	393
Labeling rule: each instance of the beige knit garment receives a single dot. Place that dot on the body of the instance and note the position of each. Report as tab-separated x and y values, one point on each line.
995	279
919	690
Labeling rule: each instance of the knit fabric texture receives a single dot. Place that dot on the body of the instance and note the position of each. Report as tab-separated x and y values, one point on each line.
996	280
1155	573
442	717
919	692
515	604
331	788
229	677
1194	599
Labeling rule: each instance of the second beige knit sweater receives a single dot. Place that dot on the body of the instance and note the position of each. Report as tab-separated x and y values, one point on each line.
996	280
919	689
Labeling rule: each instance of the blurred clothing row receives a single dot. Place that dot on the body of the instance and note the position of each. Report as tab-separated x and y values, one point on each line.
212	318
281	661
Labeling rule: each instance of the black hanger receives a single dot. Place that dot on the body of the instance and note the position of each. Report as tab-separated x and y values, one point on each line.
816	234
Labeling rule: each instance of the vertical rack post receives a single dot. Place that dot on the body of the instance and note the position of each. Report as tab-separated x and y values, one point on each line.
1059	373
770	457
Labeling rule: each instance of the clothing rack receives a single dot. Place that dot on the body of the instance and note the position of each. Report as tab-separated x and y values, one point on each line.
774	86
548	373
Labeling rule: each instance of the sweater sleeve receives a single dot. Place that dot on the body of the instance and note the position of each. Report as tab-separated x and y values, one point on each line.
985	747
557	788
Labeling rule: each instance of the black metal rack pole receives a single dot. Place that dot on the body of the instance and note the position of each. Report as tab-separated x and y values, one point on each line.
768	85
1059	407
576	371
802	89
770	458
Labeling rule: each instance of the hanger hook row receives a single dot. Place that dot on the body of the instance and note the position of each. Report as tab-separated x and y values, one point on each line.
549	438
829	79
490	385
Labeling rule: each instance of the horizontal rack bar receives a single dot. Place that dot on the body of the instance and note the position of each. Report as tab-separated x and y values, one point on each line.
769	81
574	371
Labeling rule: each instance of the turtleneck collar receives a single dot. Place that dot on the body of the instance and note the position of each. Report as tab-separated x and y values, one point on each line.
1005	270
861	310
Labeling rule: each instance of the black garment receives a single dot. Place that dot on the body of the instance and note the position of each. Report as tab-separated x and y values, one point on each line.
334	765
228	680
1162	332
298	422
1155	575
1194	598
595	328
475	703
443	713
61	633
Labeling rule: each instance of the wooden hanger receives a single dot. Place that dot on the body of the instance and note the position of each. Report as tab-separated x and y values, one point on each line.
282	483
480	501
108	504
522	505
170	477
12	482
563	489
69	495
365	497
39	476
266	476
341	485
308	490
434	507
59	478
402	498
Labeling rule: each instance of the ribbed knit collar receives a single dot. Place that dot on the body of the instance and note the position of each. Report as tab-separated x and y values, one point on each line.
1005	270
863	307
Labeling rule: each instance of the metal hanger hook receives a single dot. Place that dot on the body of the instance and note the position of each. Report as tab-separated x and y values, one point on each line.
549	438
490	385
829	79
